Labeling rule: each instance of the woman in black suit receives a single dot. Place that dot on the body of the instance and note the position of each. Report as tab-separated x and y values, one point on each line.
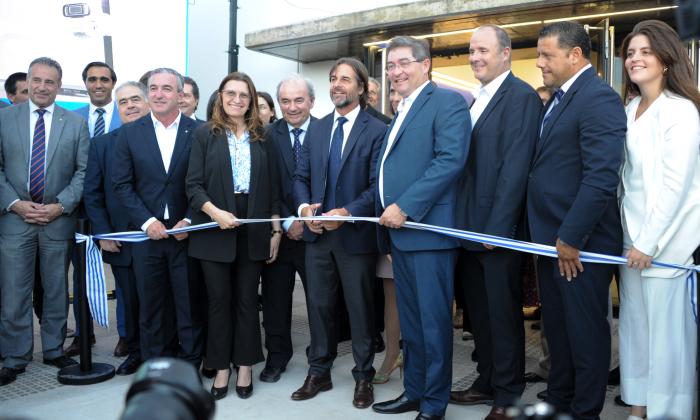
231	175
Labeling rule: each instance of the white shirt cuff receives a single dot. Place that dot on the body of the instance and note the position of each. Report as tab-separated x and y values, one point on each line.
301	207
12	204
149	222
288	223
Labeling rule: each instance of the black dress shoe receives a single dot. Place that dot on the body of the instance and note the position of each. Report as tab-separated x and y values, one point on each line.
60	362
378	344
245	391
364	394
532	377
271	374
399	405
470	397
130	365
219	393
614	377
542	395
120	349
74	348
9	375
312	386
426	416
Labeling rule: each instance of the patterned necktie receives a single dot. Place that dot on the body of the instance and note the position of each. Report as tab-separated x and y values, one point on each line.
297	145
99	123
36	173
334	160
557	98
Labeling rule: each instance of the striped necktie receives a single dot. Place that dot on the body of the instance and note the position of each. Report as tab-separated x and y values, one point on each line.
99	123
38	160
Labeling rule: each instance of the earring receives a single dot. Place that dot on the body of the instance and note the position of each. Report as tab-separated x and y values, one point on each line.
665	69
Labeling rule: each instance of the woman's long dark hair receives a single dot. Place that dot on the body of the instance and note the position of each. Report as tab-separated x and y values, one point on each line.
220	121
667	46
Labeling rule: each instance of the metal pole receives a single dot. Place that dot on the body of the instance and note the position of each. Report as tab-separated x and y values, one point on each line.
232	45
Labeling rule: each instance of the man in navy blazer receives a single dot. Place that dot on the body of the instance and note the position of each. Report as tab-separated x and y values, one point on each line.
148	173
421	159
572	204
492	201
336	176
107	215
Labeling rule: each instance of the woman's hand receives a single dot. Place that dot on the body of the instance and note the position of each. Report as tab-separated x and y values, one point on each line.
638	259
224	219
274	247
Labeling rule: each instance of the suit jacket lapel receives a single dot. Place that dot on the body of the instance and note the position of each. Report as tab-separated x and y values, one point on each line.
326	130
57	123
183	131
285	147
497	96
357	129
220	143
415	108
23	129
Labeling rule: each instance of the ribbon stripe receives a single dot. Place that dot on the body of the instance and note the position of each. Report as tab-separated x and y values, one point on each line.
95	278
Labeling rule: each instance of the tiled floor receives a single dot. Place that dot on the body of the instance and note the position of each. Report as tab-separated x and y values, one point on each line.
37	395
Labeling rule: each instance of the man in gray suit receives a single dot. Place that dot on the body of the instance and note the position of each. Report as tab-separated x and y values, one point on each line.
43	156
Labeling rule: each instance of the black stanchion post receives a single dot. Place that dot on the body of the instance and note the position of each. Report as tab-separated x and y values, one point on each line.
86	372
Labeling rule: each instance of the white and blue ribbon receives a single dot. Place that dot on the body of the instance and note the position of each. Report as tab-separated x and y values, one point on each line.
97	295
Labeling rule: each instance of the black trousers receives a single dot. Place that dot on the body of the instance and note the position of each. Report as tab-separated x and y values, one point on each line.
327	267
493	295
125	277
278	281
578	334
234	323
161	269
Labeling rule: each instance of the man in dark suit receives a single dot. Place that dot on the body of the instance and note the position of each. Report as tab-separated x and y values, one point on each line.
102	117
43	154
295	96
492	201
572	204
107	215
336	176
421	159
148	174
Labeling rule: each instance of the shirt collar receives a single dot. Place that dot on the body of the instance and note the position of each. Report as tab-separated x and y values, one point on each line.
351	116
304	126
107	107
33	107
412	97
566	86
491	87
175	123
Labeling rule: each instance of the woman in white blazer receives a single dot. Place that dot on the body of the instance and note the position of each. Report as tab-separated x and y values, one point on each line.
660	205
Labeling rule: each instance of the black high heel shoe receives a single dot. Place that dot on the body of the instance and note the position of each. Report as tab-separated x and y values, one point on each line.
245	391
219	393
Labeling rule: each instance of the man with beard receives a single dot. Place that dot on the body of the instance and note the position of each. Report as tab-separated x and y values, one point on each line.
336	176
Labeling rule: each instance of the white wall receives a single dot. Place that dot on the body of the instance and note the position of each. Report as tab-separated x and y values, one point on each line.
208	42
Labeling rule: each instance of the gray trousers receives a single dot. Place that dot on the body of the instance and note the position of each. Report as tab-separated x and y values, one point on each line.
17	259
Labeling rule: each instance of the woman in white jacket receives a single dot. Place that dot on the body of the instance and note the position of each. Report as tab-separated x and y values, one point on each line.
660	205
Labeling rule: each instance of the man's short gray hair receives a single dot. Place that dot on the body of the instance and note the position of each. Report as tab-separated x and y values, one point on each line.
419	47
47	62
166	70
375	82
297	78
143	92
501	35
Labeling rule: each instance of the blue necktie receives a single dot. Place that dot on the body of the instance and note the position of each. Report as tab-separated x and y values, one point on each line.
334	159
36	173
557	98
99	123
297	145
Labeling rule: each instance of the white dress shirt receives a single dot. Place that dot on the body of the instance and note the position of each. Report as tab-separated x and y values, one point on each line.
347	127
401	111
484	96
107	117
304	127
166	137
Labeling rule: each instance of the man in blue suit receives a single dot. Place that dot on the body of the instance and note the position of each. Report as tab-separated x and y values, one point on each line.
421	159
148	173
107	215
102	117
492	201
336	176
572	204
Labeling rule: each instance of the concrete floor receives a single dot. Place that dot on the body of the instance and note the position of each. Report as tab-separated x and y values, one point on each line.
37	395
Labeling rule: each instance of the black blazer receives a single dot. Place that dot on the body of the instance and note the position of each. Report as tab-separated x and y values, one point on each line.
494	183
140	180
210	178
106	213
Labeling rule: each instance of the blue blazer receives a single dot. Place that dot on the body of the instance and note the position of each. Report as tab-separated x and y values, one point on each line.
115	122
140	180
356	180
574	173
423	166
104	210
494	184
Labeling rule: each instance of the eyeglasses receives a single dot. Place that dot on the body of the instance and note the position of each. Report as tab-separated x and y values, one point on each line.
402	64
232	94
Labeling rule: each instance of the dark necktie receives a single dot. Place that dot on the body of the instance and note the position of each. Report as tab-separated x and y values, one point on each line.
297	145
99	123
557	98
36	173
334	159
